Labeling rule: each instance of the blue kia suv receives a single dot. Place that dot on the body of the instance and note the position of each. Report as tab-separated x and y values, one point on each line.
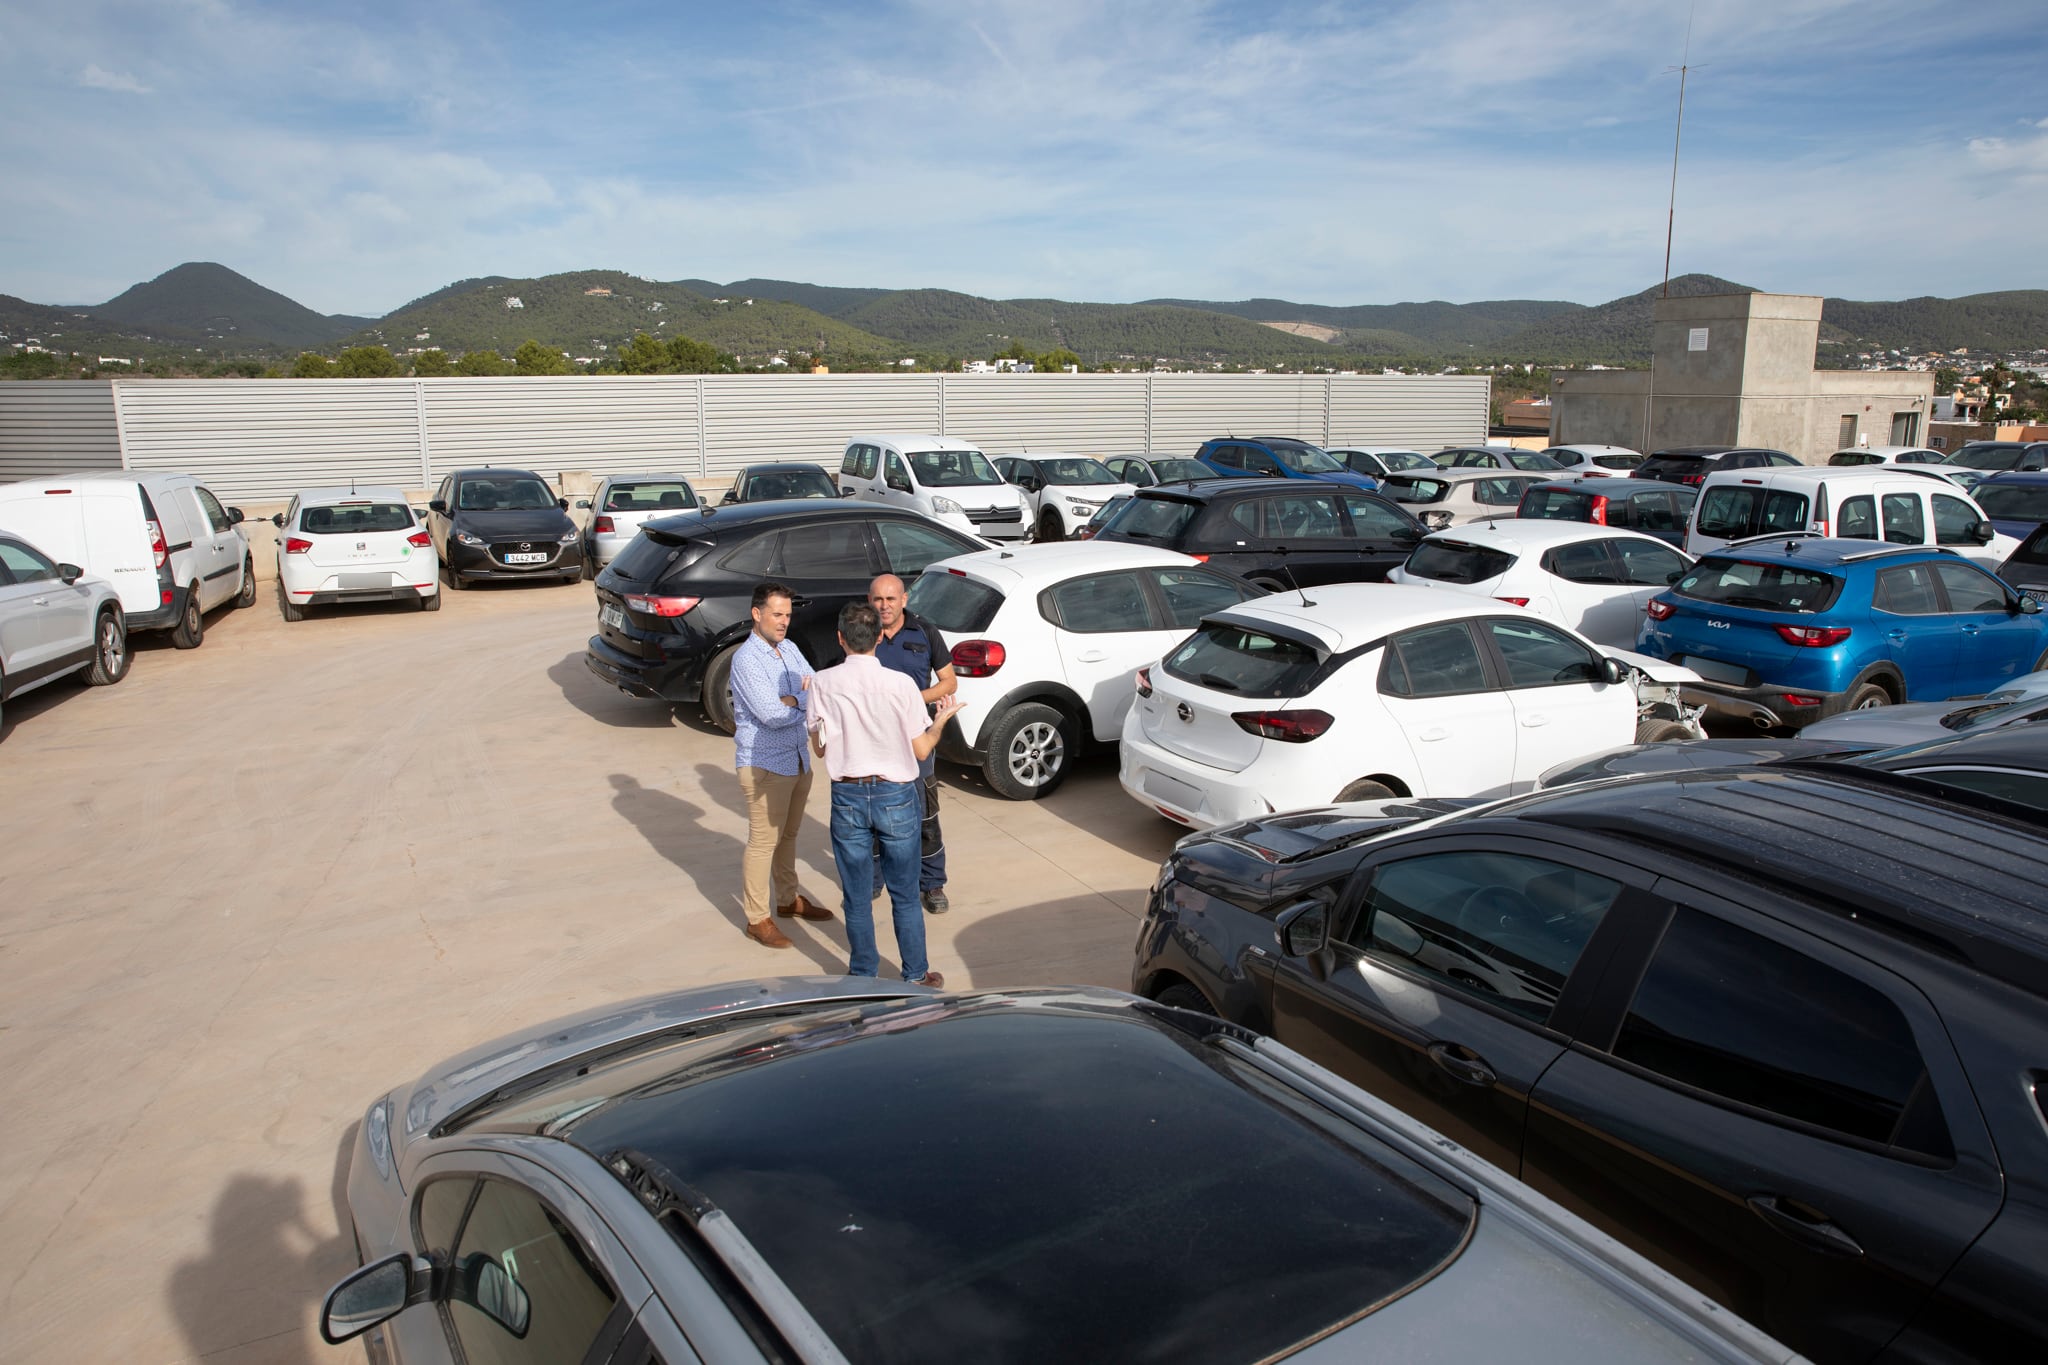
1278	457
1785	630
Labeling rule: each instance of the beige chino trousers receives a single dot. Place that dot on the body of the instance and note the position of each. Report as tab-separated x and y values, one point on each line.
775	811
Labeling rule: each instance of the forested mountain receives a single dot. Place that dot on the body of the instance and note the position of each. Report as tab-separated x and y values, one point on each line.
1450	326
201	301
2013	320
830	300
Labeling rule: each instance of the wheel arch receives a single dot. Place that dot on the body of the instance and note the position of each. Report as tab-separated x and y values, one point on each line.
1885	674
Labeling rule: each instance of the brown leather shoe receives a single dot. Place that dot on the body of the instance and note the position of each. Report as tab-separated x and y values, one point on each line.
768	936
803	907
932	979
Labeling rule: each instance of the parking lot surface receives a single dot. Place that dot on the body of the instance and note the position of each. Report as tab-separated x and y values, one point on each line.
257	884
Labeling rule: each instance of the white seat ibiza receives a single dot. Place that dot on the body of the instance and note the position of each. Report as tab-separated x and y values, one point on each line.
338	545
1357	691
1595	579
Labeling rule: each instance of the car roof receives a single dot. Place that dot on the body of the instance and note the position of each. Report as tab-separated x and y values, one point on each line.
1467	474
1822	552
781	467
915	441
1058	560
2008	476
1344	616
1210	490
497	469
1593	450
676	476
1374	450
1876	847
309	497
1812	473
1537	533
732	516
1613	485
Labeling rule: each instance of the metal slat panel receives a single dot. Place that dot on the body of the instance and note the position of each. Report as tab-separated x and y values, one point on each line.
600	424
750	419
54	426
268	439
1007	414
1426	412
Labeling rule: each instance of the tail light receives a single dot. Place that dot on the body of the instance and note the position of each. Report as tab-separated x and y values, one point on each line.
1660	610
660	606
1794	699
1820	528
1290	727
294	546
1694	479
419	538
1599	510
1145	682
1199	559
978	658
603	526
158	546
1515	601
1813	637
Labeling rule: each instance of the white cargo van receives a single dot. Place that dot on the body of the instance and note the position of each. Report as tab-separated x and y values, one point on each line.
167	545
1861	502
946	479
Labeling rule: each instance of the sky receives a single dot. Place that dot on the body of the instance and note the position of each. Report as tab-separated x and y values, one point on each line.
1101	151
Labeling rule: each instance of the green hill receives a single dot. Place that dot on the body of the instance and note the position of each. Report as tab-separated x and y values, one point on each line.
1100	333
2014	320
201	301
831	300
1616	332
1437	325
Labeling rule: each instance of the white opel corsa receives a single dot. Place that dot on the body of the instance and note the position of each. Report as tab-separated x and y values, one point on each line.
1595	579
1358	691
337	545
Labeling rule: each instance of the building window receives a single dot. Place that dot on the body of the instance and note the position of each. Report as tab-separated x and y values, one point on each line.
1848	436
1905	428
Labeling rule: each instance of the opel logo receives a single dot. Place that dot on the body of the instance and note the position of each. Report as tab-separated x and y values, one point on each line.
526	545
362	545
1185	712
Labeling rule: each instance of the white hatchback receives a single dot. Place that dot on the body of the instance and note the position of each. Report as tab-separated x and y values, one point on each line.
337	545
1045	646
1452	497
1358	691
1595	579
1062	493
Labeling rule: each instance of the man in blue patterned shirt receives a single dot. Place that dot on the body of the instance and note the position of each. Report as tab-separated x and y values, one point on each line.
771	681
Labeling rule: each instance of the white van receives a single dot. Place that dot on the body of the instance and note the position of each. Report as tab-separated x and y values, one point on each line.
946	479
167	545
1859	502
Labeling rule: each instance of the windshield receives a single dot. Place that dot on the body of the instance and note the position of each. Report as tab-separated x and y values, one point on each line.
1244	662
1075	471
1411	489
771	484
1308	459
510	494
1451	561
1556	504
1406	459
953	603
1986	457
355	518
1762	587
2013	501
1174	471
1530	459
649	496
953	468
1156	519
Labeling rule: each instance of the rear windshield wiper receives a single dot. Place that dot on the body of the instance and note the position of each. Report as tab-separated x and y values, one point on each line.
1220	684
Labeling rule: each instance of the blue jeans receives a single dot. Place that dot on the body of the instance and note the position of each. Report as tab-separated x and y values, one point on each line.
864	816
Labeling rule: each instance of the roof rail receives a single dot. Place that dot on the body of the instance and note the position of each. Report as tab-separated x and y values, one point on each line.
1776	535
1882	551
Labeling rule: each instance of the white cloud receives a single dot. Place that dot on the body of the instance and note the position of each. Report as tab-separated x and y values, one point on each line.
97	78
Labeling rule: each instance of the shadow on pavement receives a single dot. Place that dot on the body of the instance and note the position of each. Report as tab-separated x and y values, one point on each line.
600	701
675	829
263	1261
1075	941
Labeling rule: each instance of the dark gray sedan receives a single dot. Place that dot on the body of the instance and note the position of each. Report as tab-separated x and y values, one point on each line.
827	1170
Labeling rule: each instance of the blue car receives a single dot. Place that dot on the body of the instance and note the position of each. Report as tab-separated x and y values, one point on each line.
1785	630
1278	457
2015	502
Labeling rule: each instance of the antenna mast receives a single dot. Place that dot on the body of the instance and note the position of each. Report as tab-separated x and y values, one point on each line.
1671	210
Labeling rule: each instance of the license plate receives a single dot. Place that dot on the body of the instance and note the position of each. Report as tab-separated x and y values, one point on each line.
1713	670
612	617
530	557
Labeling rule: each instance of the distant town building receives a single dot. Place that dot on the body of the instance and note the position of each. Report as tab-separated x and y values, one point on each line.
513	301
597	291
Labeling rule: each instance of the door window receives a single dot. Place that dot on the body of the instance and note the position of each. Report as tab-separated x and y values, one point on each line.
527	1289
757	557
1100	603
1537	655
1259	462
1245	516
1970	589
1653	512
1433	661
1647	565
1499	492
1499	926
1906	591
837	549
1857	519
898	477
1903	522
1372	519
1953	519
907	547
1226	457
1311	516
438	1215
1585	562
214	512
25	565
1192	594
1746	1018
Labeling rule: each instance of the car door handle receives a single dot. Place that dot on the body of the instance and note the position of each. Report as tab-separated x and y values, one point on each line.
1461	1063
1538	719
1433	734
39	601
1805	1224
1897	637
1969	629
1093	656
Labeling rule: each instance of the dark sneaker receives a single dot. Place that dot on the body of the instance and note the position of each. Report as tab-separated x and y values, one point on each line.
935	902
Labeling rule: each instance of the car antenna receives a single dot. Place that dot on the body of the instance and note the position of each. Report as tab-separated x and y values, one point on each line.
1296	586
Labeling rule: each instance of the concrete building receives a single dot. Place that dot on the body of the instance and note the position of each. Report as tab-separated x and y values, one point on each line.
1737	369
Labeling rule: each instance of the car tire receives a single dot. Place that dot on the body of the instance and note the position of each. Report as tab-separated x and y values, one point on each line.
1050	528
190	631
1868	698
288	609
589	568
1364	789
109	650
1182	996
1030	750
1654	731
247	596
430	601
717	697
455	581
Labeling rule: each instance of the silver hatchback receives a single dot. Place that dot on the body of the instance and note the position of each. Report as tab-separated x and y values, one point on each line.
622	503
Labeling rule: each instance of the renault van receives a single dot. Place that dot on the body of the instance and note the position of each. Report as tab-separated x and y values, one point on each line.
1860	502
170	549
946	479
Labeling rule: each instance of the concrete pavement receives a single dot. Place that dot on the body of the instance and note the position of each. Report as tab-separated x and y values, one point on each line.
256	884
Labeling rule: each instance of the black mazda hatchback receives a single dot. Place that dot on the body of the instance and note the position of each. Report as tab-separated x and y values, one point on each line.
503	523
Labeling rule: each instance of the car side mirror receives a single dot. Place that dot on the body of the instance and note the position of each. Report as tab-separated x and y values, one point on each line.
438	505
483	1284
374	1294
1982	532
1304	932
846	492
235	516
562	503
900	485
731	495
583	504
70	573
1613	671
2029	607
278	521
1408	535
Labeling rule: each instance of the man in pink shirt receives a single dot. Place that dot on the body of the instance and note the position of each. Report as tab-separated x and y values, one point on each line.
868	724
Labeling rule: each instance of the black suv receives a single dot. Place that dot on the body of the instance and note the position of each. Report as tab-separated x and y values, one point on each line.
1279	533
1783	1029
676	603
1692	464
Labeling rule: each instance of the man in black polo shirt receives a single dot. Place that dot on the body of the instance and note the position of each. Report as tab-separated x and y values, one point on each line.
913	648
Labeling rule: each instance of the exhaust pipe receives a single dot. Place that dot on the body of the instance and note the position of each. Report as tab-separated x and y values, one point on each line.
1764	720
